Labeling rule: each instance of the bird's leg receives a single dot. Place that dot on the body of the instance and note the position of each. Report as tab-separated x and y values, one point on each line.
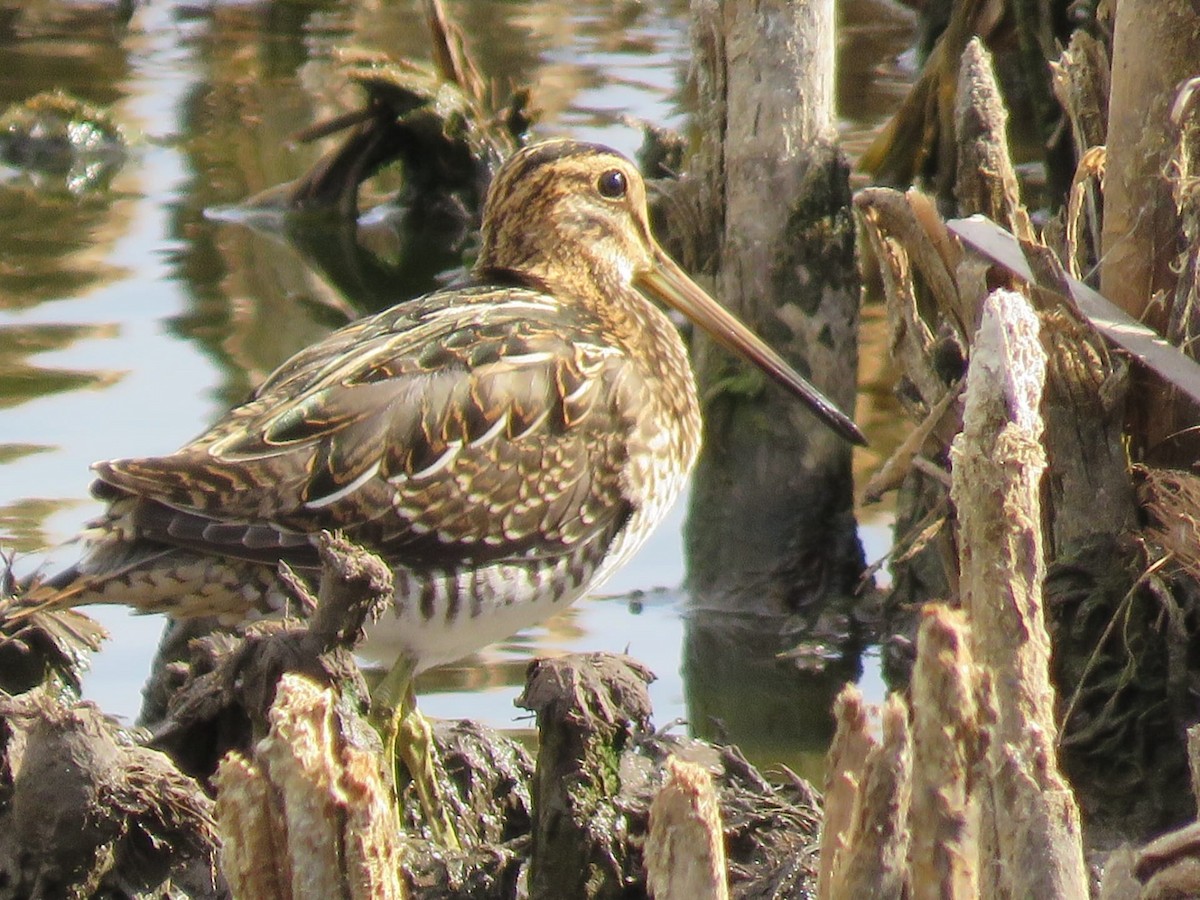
409	749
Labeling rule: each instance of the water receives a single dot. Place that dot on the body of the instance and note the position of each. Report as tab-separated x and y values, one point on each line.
129	319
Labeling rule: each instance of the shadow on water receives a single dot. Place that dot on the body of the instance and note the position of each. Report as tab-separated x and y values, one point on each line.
746	683
392	253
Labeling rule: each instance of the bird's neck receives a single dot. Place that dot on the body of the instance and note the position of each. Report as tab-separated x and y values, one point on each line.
653	343
625	318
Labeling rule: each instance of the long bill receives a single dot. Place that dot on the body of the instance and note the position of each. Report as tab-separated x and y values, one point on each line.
670	284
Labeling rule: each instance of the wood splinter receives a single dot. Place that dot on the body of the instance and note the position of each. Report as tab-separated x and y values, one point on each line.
685	849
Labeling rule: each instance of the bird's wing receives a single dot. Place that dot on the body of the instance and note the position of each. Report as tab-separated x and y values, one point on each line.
464	426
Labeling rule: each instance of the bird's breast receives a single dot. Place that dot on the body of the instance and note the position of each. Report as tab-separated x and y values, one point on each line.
662	444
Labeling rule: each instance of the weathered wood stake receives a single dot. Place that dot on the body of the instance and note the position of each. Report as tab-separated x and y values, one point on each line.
998	461
309	815
685	849
947	742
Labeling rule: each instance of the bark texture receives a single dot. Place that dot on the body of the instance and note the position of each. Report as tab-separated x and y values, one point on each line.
1155	45
873	863
309	815
947	743
998	462
685	849
770	521
847	757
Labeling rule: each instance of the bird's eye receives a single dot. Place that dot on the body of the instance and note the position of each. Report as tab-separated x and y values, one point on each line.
612	184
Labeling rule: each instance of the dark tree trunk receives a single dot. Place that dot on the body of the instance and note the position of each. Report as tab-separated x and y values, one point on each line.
771	523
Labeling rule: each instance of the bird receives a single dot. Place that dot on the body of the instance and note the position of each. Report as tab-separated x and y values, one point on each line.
503	444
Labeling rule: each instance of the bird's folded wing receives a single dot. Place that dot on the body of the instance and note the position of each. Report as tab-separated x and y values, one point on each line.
433	435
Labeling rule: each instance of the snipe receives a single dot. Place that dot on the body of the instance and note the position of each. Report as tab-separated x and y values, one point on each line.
503	445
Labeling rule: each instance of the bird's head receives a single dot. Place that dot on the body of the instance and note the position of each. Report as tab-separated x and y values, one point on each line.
571	217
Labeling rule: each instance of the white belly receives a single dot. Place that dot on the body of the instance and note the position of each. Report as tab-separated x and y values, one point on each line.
506	599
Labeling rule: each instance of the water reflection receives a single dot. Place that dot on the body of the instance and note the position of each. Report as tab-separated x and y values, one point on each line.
266	70
875	68
75	47
744	685
195	309
23	522
22	380
56	244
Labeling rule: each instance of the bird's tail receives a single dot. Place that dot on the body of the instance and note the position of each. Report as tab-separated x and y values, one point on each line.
69	588
42	613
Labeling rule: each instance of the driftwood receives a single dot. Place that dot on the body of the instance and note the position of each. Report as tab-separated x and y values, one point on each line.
989	813
231	707
45	647
221	699
271	721
870	862
438	123
434	133
1120	601
1154	50
303	803
600	769
985	181
1081	83
851	744
948	741
583	715
1028	818
83	808
309	814
919	144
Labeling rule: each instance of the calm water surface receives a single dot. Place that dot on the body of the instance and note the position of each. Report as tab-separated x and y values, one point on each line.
129	319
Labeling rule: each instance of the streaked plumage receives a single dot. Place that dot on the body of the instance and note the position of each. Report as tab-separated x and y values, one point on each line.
502	445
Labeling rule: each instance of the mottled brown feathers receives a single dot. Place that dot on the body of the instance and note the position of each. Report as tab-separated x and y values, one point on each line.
502	441
500	444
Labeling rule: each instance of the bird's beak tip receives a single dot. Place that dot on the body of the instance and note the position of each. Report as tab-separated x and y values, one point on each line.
670	284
